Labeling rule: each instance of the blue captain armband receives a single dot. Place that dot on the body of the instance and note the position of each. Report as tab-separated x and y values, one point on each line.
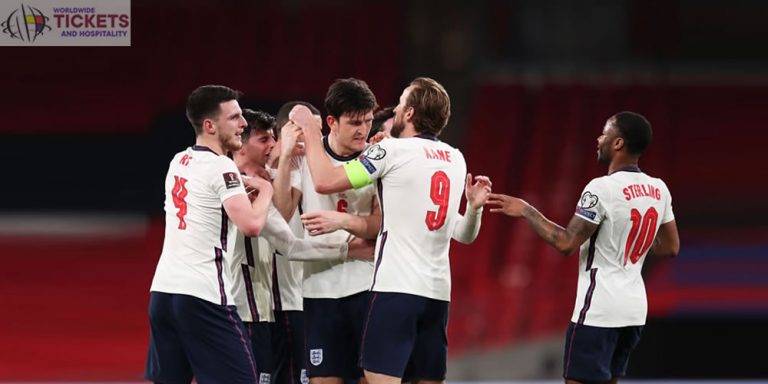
357	173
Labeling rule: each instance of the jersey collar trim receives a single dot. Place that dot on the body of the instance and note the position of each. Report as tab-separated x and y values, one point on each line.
203	148
631	168
337	156
427	136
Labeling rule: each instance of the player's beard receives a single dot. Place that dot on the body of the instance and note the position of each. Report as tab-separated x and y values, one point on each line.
603	157
231	143
398	126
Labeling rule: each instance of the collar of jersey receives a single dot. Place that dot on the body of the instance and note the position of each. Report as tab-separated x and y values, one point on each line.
426	136
337	156
631	168
203	148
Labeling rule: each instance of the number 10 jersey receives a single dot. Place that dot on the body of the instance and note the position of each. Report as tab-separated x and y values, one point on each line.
628	206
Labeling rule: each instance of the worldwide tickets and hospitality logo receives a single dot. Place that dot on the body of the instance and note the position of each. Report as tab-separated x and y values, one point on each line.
65	23
25	23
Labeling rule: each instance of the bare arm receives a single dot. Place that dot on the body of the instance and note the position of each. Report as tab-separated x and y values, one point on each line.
366	227
565	240
667	242
327	178
286	198
250	217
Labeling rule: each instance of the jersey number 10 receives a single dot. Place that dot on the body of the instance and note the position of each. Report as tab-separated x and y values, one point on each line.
641	235
440	190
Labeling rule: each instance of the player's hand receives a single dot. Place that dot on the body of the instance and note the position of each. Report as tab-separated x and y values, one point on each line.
311	125
477	193
255	185
379	136
290	140
361	249
321	222
508	205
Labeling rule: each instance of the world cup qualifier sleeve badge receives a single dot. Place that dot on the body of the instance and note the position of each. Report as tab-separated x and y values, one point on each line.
587	205
316	356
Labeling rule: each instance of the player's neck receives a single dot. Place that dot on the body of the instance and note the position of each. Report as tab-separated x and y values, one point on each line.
408	131
621	163
336	148
247	167
212	143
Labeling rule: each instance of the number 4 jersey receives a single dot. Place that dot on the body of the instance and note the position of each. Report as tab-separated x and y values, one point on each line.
199	236
628	206
419	181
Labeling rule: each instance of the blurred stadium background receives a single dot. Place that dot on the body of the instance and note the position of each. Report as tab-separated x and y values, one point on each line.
87	134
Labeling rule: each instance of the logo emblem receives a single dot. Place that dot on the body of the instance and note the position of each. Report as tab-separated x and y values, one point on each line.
316	356
375	152
588	200
265	378
25	23
231	180
304	378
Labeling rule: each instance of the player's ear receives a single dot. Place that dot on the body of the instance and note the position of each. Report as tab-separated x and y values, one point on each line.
408	113
208	126
618	144
332	122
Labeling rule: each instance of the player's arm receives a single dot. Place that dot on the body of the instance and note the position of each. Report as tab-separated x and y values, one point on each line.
565	240
286	198
250	217
327	178
366	227
667	242
279	235
468	226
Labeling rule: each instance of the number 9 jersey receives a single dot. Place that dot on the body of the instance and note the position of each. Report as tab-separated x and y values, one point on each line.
628	206
419	181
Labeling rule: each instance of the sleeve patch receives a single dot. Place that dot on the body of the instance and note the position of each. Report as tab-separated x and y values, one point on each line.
375	152
231	180
587	214
588	200
367	164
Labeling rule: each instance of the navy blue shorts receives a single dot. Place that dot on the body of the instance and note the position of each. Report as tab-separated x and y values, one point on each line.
288	348
260	334
189	334
597	353
406	336
334	329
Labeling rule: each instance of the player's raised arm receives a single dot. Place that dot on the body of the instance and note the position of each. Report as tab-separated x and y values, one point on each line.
286	198
565	240
327	178
477	193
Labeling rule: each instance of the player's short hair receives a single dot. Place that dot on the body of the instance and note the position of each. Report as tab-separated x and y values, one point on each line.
351	96
635	129
431	105
203	103
258	121
379	118
285	109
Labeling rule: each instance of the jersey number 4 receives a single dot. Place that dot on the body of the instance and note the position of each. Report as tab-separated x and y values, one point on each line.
641	235
440	190
179	193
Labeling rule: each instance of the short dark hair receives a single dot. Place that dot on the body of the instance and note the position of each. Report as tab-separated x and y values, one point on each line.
282	114
379	118
431	105
203	103
258	121
635	129
351	96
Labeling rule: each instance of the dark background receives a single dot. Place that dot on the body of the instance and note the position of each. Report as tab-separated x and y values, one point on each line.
87	133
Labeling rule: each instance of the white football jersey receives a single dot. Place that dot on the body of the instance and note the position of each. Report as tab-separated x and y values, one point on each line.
628	206
334	279
252	274
288	275
196	257
420	181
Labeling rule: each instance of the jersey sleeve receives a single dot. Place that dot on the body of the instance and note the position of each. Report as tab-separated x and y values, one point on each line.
372	164
668	214
591	204
225	179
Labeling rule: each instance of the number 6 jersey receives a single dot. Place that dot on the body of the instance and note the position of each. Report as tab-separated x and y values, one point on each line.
419	181
628	206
